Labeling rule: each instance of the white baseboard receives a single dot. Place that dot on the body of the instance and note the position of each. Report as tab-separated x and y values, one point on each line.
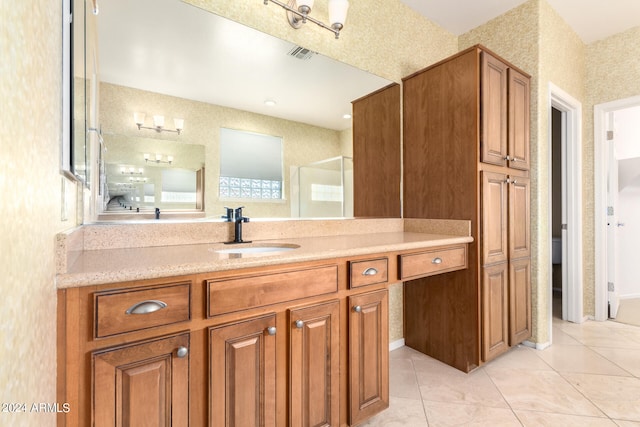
396	344
536	345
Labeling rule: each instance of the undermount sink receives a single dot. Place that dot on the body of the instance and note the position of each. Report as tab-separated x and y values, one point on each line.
257	249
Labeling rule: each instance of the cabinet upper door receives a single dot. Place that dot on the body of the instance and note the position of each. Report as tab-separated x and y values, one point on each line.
145	384
493	111
519	133
242	383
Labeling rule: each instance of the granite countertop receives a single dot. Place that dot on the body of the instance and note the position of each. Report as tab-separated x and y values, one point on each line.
102	266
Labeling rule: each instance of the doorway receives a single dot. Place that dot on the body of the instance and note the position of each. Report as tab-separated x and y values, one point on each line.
617	190
565	202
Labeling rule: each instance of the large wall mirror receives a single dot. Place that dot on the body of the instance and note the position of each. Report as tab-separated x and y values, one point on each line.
203	73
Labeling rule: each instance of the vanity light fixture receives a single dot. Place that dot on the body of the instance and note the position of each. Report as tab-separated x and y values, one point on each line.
131	171
346	116
158	159
298	13
158	123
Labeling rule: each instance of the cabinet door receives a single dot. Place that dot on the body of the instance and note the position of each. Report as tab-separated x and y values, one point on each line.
368	355
494	207
495	311
493	80
519	301
519	219
518	121
145	384
242	382
315	365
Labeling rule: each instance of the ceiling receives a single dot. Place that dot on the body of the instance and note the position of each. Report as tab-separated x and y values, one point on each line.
592	20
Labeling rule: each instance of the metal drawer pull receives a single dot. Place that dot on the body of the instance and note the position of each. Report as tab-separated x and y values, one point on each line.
299	324
437	261
370	272
271	330
182	351
357	309
146	307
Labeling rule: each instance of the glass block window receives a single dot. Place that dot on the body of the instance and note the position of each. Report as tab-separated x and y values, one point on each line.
245	188
250	165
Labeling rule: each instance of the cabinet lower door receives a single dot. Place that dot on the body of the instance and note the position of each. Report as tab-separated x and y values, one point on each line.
368	355
242	369
519	301
314	365
495	310
144	384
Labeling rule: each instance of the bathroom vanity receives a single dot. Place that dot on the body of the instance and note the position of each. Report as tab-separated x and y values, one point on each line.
274	333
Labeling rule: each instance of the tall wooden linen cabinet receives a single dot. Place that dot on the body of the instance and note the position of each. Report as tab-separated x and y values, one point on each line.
466	156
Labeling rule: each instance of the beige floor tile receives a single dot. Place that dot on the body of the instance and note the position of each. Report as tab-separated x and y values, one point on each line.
621	423
617	397
404	384
561	337
627	359
546	419
520	357
440	414
572	358
401	413
602	334
475	388
543	391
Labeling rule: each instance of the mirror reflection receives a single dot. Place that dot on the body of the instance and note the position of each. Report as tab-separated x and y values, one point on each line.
165	66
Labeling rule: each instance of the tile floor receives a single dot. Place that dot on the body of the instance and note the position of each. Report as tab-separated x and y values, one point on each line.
590	376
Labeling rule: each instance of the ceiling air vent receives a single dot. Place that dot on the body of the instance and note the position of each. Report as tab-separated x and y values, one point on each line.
301	53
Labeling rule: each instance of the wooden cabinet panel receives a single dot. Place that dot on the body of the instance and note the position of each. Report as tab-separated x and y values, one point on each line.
519	126
368	355
127	310
242	374
494	210
493	80
368	272
144	384
314	365
519	301
235	294
495	311
428	263
376	154
519	218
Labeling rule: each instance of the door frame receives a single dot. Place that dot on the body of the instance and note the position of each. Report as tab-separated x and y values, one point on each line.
601	169
572	204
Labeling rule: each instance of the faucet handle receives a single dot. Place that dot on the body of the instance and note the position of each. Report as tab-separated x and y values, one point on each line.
229	215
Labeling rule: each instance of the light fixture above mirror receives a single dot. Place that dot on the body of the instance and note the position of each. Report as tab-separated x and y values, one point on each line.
158	123
157	159
298	13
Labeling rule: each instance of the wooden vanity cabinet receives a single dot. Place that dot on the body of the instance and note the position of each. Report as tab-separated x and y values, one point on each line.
466	156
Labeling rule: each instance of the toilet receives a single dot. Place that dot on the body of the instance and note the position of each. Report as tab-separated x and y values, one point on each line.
556	250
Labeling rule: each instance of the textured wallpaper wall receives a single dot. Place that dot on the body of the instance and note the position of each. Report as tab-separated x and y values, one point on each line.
31	189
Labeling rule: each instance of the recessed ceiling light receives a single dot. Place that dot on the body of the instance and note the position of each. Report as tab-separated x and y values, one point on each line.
270	103
346	116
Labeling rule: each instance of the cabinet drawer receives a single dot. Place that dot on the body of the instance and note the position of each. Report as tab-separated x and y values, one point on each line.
368	272
241	293
432	262
128	310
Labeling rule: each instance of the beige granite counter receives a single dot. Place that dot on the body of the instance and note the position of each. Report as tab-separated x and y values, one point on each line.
87	258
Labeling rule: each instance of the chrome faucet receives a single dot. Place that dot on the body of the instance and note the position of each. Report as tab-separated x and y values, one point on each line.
238	220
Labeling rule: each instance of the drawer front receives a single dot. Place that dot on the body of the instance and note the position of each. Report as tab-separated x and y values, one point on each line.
368	272
241	293
432	262
128	310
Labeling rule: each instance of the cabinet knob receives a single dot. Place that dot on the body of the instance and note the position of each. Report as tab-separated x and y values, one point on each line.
182	351
146	307
370	272
515	181
357	309
437	261
507	158
299	324
271	330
